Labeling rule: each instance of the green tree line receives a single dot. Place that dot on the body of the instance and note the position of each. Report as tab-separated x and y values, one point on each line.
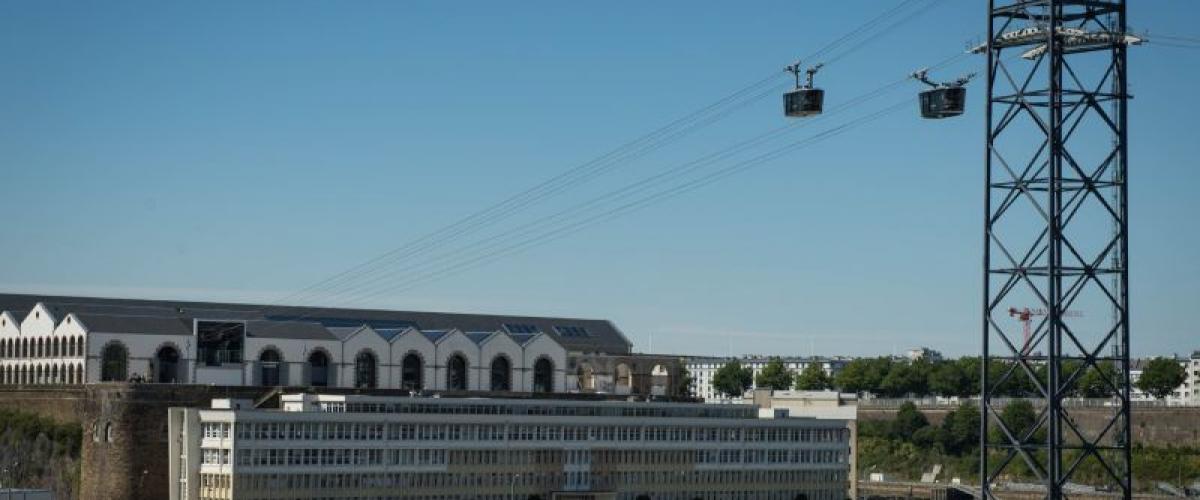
889	377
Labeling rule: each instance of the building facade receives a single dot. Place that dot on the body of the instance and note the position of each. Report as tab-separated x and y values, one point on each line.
702	370
81	340
371	447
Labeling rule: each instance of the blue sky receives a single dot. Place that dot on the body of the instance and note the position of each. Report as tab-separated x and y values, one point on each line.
243	151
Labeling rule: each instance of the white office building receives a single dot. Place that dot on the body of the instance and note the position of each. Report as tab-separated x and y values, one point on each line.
702	370
373	447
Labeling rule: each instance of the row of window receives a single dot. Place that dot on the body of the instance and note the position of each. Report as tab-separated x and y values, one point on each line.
536	481
439	457
513	432
41	374
215	486
558	409
351	456
412	372
53	347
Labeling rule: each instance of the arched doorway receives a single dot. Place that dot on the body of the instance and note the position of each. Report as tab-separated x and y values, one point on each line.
543	375
166	365
114	363
365	370
411	372
269	368
501	374
318	369
456	373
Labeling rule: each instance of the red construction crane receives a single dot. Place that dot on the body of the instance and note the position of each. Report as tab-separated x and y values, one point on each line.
1025	316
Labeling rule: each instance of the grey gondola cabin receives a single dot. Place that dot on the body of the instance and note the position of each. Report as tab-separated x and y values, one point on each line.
805	100
942	100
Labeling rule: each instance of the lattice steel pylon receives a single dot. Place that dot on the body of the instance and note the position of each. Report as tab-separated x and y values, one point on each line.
1055	235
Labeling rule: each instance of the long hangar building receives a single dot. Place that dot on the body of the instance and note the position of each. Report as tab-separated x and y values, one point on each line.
78	340
372	404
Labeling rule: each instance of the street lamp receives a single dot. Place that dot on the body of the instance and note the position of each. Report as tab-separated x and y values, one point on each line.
512	487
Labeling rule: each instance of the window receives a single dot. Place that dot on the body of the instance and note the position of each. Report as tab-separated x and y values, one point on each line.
113	363
543	375
572	331
220	342
168	365
268	366
364	370
411	372
456	373
318	369
521	328
501	374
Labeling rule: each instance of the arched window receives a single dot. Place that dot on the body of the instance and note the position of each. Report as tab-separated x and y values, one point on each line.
411	371
456	373
501	374
543	375
318	369
269	364
114	361
78	374
167	360
364	370
624	379
40	350
586	378
54	347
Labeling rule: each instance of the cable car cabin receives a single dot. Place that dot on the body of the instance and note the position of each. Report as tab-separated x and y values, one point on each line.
803	102
943	102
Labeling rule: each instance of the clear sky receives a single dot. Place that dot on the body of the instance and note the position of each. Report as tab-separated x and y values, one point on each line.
245	150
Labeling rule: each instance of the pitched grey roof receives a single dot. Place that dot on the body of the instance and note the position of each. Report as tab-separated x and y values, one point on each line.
389	333
478	337
602	336
343	332
522	338
434	335
147	325
299	330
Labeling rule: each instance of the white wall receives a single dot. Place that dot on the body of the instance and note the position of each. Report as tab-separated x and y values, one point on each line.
143	347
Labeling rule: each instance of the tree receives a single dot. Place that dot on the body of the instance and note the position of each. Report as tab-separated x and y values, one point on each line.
908	421
1020	418
775	376
1097	381
863	375
733	379
684	383
813	378
960	430
948	379
1161	377
903	379
970	367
